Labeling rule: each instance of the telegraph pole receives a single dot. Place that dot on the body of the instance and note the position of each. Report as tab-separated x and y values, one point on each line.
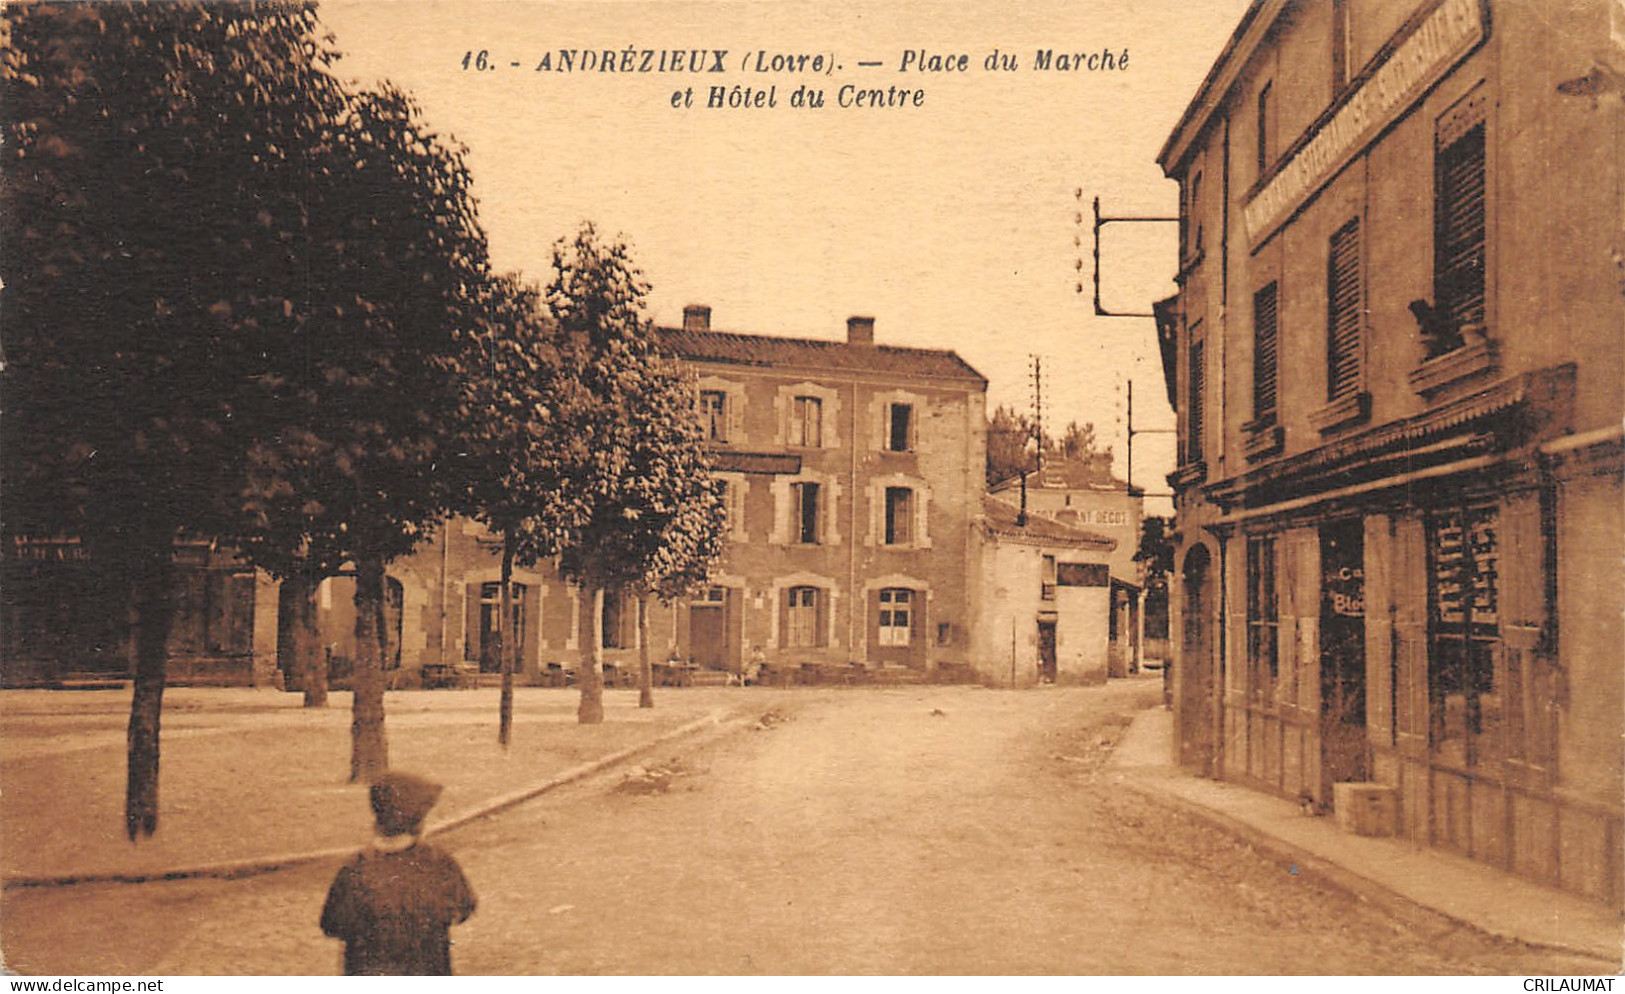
1132	431
1038	406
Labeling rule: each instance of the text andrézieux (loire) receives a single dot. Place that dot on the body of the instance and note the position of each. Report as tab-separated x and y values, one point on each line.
760	89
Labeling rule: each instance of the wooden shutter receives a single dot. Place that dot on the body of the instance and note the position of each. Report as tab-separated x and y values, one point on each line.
1458	246
1343	313
1525	594
899	516
1197	381
820	616
1409	585
1380	637
471	623
1266	338
784	617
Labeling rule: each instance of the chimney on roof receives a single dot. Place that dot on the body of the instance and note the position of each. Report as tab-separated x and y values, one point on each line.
696	317
860	331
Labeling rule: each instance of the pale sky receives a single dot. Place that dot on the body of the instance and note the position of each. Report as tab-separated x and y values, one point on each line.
952	223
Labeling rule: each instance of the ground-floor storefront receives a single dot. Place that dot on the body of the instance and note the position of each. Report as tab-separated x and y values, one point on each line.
1450	637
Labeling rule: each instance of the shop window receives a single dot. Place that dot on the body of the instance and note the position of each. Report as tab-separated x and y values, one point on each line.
714	415
1343	313
807	422
807	498
1464	636
803	617
1263	617
1459	222
900	427
1266	338
896	616
899	515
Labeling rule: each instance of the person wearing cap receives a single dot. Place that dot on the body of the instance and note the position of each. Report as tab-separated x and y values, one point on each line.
393	904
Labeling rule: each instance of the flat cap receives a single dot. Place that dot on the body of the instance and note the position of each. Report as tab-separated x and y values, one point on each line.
400	802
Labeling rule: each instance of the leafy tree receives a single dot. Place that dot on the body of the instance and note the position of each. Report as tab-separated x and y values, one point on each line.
654	516
1011	445
396	267
155	158
677	531
1156	549
516	447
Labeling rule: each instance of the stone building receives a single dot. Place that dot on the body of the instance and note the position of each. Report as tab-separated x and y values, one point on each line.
1082	495
1398	365
1044	600
853	471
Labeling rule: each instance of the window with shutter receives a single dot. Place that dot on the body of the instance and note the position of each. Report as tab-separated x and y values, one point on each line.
896	616
1343	59
714	415
1343	313
899	515
1196	388
803	614
900	427
485	613
807	422
1263	617
806	521
1464	636
1265	349
1459	215
1194	211
1264	129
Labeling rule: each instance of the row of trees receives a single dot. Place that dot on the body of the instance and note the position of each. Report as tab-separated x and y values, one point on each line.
245	301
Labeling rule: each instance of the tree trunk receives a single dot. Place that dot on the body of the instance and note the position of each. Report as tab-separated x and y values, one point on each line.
504	652
646	693
298	644
153	580
590	673
369	750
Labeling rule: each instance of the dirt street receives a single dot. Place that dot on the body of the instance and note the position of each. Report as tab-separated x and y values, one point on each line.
901	831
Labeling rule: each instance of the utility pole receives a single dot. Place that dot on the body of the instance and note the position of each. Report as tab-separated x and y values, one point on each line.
1132	431
1038	407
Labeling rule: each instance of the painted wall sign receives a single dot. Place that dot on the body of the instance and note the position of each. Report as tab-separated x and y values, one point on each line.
1435	44
1083	574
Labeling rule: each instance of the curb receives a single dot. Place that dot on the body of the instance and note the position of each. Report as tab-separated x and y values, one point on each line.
232	869
1341	877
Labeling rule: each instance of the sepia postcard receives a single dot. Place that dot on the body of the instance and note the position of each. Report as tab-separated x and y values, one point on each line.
747	488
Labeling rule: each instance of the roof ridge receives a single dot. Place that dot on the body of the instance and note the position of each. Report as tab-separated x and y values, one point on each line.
801	341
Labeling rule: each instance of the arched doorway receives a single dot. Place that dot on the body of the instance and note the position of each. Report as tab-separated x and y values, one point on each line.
1194	673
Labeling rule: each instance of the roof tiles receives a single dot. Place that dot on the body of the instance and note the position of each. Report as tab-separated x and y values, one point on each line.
766	350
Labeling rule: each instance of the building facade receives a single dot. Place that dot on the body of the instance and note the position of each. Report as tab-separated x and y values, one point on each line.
853	472
1079	495
1046	605
1397	365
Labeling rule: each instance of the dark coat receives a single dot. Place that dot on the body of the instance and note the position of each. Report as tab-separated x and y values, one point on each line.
394	911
